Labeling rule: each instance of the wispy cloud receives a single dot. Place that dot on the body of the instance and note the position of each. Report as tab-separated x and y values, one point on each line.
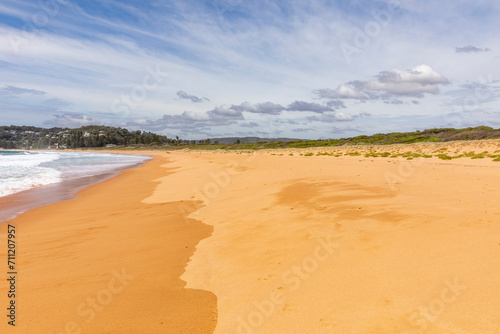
249	125
16	92
332	117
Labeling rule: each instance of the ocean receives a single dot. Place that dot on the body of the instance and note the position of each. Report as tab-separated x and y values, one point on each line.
25	170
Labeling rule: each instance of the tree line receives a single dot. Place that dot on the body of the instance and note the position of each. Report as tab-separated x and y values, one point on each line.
30	137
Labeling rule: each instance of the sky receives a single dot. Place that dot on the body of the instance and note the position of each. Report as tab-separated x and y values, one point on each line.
222	68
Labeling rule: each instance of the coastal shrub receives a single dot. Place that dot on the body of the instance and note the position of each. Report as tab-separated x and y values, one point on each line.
444	156
309	154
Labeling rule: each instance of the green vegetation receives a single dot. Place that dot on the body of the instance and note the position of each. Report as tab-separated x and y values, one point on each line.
430	135
29	137
94	136
444	156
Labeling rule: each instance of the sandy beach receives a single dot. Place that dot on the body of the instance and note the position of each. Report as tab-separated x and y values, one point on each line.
280	241
107	263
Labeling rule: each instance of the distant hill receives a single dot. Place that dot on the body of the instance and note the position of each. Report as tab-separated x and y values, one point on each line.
233	140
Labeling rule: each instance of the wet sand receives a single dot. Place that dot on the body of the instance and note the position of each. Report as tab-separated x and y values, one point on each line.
107	263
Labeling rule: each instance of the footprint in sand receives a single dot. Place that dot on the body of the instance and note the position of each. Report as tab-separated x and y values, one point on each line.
290	307
265	278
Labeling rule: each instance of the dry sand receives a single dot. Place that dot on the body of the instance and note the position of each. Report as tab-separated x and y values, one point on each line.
319	244
300	244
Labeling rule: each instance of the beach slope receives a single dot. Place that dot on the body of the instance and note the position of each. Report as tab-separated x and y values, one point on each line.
107	263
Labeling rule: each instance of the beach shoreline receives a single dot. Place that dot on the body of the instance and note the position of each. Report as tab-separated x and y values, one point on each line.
107	247
19	202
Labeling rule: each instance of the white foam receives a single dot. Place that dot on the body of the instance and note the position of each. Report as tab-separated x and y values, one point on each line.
25	170
37	176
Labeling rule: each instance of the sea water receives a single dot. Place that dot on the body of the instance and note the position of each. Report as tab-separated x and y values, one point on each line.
23	170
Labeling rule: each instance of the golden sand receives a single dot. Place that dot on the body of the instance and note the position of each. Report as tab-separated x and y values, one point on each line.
274	242
108	263
323	244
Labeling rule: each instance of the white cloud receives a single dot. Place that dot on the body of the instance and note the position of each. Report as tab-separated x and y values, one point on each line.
341	92
422	74
414	82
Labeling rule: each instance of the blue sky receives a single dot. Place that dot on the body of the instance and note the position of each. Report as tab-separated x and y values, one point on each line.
216	68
